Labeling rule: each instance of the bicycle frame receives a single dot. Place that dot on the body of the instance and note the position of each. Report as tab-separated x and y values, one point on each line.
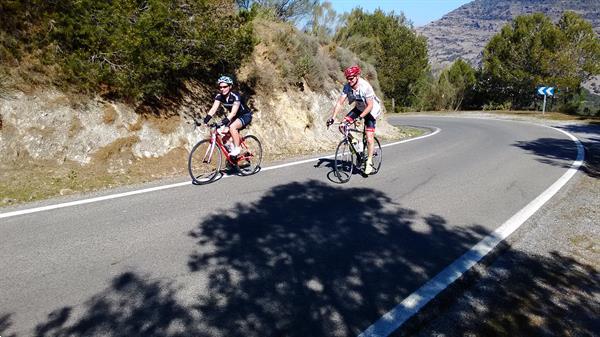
216	139
345	129
348	156
205	160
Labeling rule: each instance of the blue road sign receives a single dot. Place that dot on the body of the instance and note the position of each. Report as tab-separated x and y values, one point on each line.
546	91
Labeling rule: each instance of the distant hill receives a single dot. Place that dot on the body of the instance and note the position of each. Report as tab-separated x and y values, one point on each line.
465	31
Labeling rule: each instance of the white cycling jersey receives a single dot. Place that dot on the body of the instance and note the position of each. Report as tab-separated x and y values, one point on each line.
363	91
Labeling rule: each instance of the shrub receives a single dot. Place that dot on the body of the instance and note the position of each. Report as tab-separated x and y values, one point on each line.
389	42
137	50
498	106
298	57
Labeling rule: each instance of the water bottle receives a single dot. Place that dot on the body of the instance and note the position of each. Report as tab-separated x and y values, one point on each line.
358	146
352	140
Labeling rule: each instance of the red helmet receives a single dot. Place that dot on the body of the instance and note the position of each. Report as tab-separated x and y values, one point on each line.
352	71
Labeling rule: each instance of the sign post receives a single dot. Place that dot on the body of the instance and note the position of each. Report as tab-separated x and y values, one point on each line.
545	91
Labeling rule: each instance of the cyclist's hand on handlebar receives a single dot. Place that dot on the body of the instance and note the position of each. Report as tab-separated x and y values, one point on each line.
329	122
225	121
207	119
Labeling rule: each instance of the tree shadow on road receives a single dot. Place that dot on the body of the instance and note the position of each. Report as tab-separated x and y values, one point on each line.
592	157
562	153
526	295
309	259
589	134
132	306
552	151
5	324
306	259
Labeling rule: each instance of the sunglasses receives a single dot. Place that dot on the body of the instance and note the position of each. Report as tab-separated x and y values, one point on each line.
223	86
350	78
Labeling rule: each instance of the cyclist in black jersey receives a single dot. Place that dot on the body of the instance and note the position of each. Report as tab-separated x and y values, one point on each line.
238	114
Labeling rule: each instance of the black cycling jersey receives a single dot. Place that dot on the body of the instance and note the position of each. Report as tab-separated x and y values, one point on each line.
228	100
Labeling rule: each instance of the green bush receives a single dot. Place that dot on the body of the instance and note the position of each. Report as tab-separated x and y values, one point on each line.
449	91
387	41
533	51
297	56
139	49
505	106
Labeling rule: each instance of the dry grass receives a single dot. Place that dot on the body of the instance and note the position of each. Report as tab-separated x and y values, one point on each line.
165	125
75	127
174	163
36	180
559	116
120	148
110	114
137	126
57	102
44	133
28	180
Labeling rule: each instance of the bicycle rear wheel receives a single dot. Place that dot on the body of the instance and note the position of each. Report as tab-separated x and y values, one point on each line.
248	162
343	162
204	162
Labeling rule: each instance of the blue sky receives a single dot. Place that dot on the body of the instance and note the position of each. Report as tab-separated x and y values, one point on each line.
420	12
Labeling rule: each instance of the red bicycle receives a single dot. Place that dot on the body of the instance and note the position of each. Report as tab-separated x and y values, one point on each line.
206	157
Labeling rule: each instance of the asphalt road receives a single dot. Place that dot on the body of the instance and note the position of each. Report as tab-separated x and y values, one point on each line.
285	252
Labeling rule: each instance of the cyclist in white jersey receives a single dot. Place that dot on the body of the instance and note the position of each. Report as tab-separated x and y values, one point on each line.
367	106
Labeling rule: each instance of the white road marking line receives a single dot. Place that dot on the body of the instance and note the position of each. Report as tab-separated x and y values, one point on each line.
411	305
87	201
437	130
164	187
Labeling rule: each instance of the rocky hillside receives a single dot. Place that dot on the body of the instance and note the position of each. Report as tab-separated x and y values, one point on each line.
54	142
465	31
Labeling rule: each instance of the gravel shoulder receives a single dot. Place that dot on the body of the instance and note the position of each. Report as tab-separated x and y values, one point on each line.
545	280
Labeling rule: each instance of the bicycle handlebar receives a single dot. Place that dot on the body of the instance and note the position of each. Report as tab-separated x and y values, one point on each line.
346	124
210	125
200	122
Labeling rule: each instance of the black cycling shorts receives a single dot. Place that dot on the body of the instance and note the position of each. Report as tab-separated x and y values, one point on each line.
369	120
245	119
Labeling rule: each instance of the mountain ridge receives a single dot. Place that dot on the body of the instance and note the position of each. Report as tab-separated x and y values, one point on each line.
464	32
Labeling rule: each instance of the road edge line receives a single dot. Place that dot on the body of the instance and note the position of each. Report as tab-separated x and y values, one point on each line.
164	187
414	302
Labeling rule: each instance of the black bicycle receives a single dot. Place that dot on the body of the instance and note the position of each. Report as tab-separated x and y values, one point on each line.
351	153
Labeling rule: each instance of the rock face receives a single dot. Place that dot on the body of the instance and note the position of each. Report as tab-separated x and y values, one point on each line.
47	126
53	128
464	32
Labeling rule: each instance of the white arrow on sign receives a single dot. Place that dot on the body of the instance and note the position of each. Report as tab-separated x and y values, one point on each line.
541	90
546	91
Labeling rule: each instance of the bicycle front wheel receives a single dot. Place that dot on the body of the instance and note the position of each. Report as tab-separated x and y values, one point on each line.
204	162
377	156
248	162
343	162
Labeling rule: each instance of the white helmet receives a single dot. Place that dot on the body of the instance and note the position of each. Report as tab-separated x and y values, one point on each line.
225	79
